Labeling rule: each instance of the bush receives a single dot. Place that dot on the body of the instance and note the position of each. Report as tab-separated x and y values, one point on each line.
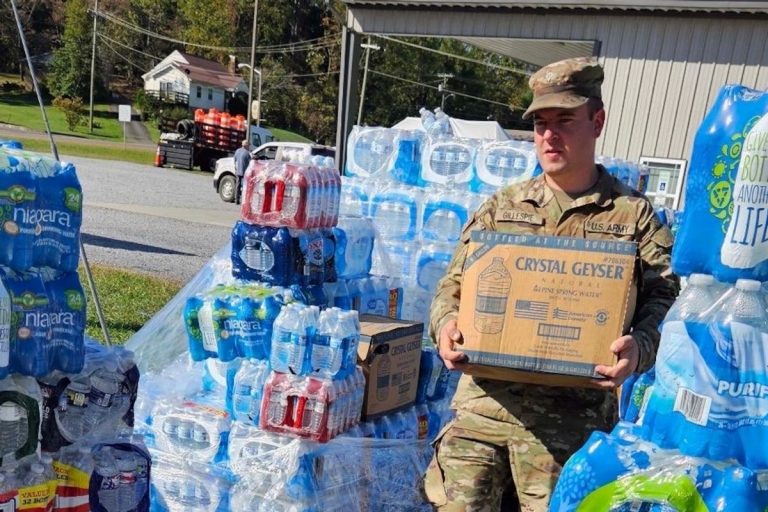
147	105
73	110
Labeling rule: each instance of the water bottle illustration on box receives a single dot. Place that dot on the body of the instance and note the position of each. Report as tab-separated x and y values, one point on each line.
493	286
709	395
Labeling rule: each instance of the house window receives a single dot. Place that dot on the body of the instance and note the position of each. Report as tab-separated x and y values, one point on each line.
665	181
199	92
210	93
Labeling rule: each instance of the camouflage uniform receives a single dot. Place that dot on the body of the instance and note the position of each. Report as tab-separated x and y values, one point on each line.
523	428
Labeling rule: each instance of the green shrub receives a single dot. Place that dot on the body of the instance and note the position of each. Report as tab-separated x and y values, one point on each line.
73	111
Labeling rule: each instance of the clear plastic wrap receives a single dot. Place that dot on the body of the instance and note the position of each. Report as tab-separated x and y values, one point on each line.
619	472
163	338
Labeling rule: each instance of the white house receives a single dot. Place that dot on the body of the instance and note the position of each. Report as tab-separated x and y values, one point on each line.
191	80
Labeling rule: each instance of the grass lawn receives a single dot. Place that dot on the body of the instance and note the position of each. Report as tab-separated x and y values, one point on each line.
287	136
129	154
129	300
22	109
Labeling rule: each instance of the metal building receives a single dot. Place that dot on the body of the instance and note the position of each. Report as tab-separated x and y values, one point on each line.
664	60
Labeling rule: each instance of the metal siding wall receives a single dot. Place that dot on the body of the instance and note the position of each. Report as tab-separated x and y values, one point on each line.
662	72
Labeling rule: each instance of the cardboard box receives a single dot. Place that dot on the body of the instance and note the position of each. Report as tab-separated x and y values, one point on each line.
543	309
390	354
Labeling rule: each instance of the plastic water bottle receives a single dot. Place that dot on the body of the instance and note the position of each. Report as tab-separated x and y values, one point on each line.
444	215
13	428
248	390
427	119
431	263
353	199
5	332
698	296
285	322
127	495
72	417
395	212
36	475
741	322
104	386
354	237
109	491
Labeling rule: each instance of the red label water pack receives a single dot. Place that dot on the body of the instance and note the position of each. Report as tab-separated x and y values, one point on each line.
311	408
285	194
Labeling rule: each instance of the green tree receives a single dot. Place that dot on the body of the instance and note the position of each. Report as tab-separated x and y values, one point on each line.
68	76
73	110
207	23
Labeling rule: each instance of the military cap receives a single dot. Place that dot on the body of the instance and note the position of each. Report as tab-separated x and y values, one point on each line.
565	84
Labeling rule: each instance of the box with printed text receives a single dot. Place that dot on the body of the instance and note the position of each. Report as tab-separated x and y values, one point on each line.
543	309
390	354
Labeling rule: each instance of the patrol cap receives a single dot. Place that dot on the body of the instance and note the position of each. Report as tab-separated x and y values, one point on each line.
565	84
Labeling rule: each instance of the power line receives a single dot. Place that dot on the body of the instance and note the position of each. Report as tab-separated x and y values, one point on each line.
309	44
126	59
118	43
454	56
447	91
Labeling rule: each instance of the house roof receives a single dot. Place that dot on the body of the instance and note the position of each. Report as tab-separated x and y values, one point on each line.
200	70
727	6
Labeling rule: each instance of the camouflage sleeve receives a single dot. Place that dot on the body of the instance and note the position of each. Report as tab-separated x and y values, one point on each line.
445	304
658	286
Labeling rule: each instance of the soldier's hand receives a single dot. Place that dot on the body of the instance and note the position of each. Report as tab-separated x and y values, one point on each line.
449	337
628	357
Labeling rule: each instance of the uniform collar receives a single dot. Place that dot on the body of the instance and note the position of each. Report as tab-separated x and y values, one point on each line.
540	194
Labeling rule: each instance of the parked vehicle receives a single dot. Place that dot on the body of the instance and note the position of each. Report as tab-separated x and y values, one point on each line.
203	141
224	177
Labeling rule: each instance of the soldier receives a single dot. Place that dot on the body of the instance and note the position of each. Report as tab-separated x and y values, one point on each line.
518	436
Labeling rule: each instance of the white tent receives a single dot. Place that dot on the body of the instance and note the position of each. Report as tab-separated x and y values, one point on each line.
489	130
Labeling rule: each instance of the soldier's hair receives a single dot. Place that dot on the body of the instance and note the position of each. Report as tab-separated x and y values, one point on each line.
594	105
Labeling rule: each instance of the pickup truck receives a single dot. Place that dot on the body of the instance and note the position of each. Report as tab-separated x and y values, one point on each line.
224	177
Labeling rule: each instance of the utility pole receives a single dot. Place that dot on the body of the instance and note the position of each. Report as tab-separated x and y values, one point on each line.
250	83
368	47
442	87
93	64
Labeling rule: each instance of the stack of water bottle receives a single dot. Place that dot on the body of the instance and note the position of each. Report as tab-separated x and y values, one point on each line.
701	415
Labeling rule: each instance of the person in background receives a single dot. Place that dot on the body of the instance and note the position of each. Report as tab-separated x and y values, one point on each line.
242	159
513	437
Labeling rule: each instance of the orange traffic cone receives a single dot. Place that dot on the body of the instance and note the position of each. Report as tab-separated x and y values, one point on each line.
158	158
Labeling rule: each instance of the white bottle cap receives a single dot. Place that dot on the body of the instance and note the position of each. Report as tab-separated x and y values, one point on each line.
37	468
701	279
9	411
748	285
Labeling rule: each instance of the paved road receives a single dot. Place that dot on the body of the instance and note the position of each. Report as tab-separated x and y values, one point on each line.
163	222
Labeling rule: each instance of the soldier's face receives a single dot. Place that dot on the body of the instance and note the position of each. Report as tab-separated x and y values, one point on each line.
565	139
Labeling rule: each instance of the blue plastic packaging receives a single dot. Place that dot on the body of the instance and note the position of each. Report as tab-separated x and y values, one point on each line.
264	254
717	196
